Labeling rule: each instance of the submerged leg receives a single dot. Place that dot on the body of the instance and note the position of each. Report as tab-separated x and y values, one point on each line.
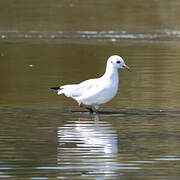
89	109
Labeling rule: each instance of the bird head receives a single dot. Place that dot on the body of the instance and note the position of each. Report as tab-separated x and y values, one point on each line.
117	62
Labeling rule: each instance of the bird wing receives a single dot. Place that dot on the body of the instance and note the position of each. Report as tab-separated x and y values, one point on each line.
76	90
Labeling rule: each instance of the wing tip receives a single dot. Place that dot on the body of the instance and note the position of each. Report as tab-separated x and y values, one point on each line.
56	89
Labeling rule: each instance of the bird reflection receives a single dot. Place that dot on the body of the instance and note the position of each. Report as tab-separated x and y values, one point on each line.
87	141
95	135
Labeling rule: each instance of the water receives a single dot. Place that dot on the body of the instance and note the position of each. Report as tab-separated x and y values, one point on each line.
48	143
45	136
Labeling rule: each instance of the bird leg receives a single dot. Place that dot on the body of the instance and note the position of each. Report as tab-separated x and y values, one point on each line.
81	105
97	112
89	109
96	109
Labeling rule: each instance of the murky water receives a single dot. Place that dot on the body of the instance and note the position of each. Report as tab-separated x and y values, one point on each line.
45	136
50	143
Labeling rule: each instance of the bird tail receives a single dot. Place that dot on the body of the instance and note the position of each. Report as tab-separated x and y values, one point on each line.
57	90
65	89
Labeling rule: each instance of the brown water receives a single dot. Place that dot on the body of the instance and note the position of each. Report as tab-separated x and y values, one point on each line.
49	43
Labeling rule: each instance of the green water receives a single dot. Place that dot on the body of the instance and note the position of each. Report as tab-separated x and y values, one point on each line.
51	43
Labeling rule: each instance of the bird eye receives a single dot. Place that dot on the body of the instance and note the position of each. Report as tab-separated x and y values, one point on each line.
118	62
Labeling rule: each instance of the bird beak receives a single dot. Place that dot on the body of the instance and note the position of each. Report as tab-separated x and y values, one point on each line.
126	67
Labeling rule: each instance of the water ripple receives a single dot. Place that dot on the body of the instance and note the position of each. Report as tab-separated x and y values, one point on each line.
113	36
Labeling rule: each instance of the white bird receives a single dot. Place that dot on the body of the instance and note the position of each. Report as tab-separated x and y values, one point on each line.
95	92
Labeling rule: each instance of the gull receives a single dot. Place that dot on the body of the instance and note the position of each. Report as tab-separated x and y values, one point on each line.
94	92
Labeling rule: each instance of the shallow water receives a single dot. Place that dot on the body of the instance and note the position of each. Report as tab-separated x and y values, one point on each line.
49	143
45	136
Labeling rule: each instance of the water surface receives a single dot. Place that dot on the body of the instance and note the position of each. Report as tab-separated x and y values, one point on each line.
48	143
45	136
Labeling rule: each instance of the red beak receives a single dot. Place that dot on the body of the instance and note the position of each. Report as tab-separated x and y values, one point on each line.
126	67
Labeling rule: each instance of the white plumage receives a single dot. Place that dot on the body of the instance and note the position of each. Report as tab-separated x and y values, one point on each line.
97	91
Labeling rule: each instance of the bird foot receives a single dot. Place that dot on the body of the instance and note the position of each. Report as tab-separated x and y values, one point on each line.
90	110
